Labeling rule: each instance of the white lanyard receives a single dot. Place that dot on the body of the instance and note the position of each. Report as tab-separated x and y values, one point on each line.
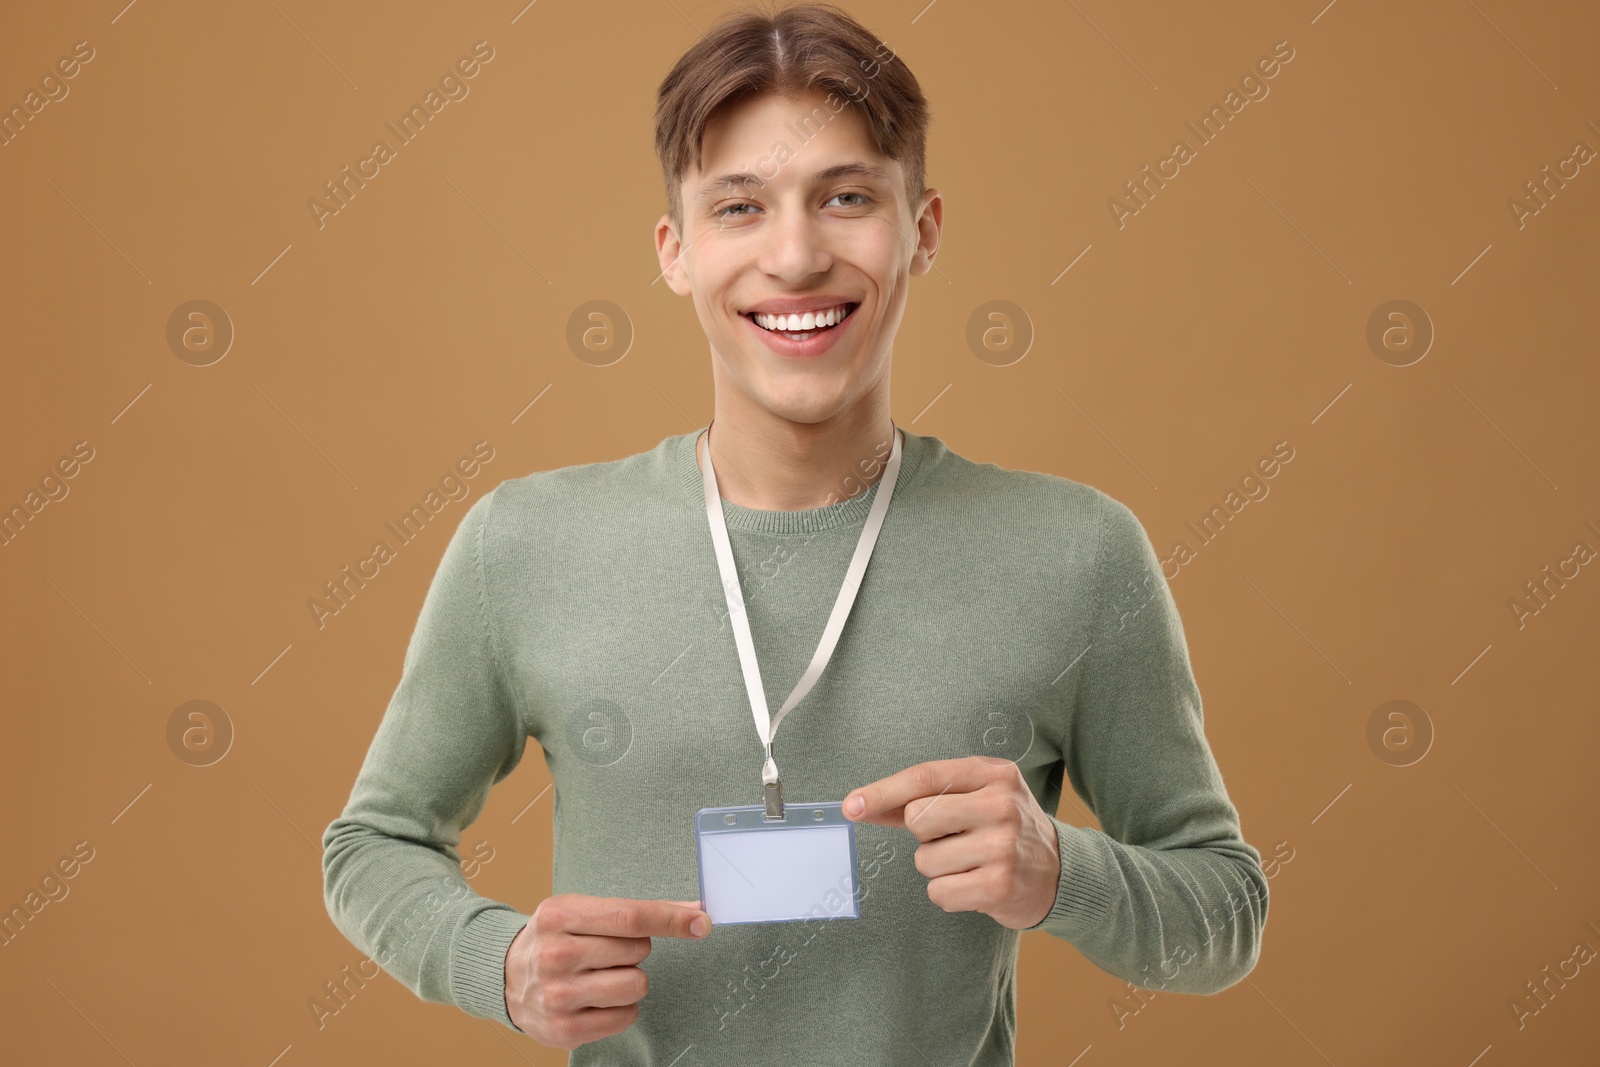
766	723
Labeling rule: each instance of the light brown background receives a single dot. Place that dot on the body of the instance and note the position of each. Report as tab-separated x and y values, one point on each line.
1230	314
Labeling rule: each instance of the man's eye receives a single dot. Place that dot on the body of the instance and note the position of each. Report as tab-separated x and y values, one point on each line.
862	200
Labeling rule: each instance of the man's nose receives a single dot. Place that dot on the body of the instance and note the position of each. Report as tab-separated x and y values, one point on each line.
795	247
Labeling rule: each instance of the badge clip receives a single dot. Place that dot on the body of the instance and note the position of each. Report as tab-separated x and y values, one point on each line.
773	792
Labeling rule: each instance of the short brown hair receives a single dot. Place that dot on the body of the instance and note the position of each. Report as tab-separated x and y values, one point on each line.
789	51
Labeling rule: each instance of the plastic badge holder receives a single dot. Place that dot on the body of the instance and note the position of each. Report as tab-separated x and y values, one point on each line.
755	870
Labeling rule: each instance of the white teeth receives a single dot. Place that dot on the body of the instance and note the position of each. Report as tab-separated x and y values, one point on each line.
809	320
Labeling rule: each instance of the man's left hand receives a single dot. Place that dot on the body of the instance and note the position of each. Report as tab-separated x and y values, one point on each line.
986	844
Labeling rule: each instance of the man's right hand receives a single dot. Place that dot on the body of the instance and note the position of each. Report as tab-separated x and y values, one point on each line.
572	973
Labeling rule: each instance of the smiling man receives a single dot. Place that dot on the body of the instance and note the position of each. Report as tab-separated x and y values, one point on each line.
946	643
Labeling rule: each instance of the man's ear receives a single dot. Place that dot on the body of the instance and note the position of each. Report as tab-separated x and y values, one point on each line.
669	252
930	222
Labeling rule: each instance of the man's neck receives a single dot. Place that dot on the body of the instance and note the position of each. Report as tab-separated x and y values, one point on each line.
771	464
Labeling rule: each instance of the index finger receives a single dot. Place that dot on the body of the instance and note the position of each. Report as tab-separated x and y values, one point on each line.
625	917
885	800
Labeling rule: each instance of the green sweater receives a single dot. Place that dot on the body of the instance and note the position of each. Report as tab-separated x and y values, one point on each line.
1005	613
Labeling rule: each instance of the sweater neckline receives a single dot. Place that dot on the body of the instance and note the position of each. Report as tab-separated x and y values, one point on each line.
806	520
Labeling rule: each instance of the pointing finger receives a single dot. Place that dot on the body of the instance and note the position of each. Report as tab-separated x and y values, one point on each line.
623	917
883	802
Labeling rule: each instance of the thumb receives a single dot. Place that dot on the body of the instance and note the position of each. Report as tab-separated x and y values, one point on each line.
694	905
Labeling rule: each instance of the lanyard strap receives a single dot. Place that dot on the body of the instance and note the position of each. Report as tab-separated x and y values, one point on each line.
766	723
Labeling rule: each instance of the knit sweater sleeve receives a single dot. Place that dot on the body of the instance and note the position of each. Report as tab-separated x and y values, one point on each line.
392	880
1167	894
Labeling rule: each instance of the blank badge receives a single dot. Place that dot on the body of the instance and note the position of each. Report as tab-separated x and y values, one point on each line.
759	870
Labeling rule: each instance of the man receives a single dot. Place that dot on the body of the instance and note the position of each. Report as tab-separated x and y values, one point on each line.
1013	630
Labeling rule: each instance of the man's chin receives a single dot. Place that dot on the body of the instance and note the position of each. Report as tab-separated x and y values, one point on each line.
806	395
805	410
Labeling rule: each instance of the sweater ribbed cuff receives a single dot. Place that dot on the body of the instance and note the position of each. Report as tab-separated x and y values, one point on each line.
1083	895
478	963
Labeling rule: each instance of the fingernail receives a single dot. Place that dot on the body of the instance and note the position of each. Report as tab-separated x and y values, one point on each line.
854	805
699	927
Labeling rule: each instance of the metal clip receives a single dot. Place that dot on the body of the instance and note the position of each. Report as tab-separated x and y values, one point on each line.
774	798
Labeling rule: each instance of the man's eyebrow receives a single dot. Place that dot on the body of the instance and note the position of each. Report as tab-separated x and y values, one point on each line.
727	183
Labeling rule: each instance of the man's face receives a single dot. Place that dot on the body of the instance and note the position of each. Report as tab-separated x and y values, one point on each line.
810	228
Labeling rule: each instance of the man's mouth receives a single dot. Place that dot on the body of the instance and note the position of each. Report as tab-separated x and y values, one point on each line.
808	324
